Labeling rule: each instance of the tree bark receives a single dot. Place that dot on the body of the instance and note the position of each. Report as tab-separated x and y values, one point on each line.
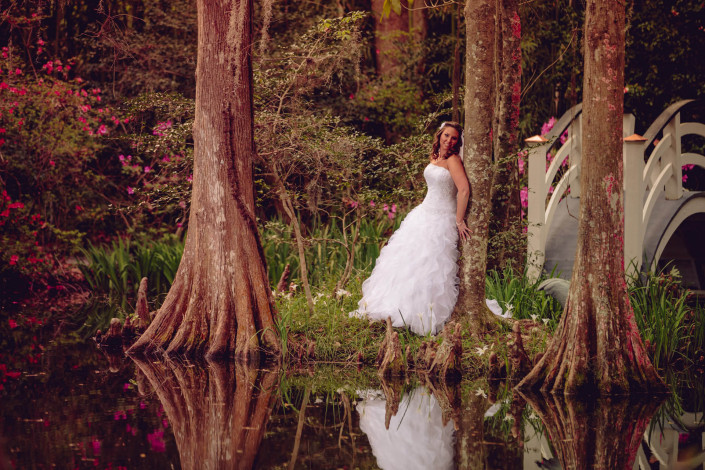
220	302
597	348
387	34
479	91
457	63
506	203
218	414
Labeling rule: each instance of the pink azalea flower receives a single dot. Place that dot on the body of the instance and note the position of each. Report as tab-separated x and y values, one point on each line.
547	126
130	190
524	196
156	441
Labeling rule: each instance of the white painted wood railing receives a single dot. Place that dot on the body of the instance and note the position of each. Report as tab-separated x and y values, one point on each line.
660	175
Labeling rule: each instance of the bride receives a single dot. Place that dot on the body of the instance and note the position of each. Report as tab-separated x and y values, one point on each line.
415	278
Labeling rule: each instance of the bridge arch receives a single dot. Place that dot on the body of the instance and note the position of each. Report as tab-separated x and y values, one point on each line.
655	202
680	243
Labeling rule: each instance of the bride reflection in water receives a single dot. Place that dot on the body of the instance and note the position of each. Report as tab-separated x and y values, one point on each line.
415	437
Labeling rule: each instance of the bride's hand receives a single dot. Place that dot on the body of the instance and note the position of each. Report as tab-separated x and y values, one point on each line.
463	230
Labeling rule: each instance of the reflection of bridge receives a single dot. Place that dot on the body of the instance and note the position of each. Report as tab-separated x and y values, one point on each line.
657	209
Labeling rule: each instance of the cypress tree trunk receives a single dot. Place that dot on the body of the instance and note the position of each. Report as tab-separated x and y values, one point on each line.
479	116
597	348
506	205
220	302
388	32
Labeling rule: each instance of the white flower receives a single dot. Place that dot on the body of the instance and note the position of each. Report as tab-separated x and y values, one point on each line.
545	321
342	293
508	418
534	317
481	351
509	308
480	393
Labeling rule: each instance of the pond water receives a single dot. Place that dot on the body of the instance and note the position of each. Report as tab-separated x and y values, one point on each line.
72	406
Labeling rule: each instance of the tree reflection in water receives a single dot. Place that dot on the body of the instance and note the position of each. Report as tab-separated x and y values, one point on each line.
218	414
595	434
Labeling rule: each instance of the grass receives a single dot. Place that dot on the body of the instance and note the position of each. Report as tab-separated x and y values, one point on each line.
666	320
514	291
672	327
117	269
325	248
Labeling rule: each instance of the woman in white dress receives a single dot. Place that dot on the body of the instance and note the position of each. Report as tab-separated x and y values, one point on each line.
415	278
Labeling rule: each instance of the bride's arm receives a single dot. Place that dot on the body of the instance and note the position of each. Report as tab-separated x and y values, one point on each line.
457	172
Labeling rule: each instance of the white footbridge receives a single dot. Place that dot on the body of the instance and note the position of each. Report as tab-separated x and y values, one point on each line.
655	202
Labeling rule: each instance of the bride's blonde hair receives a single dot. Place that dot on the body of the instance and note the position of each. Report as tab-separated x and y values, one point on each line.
437	140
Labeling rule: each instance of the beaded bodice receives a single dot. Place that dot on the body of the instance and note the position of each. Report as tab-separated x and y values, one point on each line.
441	195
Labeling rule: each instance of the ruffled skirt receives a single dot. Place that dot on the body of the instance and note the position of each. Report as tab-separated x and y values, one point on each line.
415	278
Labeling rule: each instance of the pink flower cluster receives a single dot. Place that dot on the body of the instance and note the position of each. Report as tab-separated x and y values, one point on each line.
161	127
686	168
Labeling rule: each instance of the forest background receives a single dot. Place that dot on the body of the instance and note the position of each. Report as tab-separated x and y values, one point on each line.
97	110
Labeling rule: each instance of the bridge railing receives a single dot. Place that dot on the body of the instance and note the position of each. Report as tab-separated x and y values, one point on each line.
539	211
660	174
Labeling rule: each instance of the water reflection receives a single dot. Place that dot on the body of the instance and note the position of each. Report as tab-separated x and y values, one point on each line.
414	437
218	414
593	434
78	409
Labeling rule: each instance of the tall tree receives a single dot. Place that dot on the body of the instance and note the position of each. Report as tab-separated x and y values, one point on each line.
479	117
505	223
220	302
597	347
394	21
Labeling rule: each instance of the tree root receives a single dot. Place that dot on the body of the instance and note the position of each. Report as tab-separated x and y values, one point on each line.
283	284
389	361
519	361
142	309
447	359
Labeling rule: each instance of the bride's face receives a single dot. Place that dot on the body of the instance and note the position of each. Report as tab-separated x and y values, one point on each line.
449	137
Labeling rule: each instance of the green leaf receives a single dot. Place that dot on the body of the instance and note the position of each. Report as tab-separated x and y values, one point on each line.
396	6
386	9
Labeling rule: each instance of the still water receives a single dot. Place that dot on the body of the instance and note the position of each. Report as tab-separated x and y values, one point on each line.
70	406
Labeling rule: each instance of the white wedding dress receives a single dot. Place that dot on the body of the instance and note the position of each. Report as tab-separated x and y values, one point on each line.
415	278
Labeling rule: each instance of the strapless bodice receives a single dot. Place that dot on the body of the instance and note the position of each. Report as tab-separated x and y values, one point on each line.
441	195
